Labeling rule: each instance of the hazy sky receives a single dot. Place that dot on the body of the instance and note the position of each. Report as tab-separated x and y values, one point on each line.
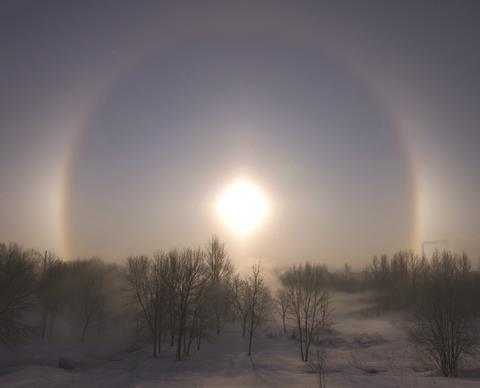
122	122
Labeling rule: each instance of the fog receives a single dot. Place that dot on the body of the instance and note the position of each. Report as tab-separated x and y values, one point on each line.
75	318
239	193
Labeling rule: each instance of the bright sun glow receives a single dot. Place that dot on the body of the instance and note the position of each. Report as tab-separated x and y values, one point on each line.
242	206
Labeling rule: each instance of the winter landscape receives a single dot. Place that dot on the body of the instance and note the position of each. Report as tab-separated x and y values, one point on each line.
185	318
263	193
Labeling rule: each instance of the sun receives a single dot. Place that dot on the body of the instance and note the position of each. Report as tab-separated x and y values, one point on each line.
242	206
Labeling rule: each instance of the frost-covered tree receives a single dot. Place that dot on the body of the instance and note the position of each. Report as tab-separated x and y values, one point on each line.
51	291
258	302
309	302
282	305
219	271
240	301
87	293
145	280
442	321
191	280
17	290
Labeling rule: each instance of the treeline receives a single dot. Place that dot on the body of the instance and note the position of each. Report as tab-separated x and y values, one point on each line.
304	298
179	298
174	298
37	289
182	296
440	298
400	280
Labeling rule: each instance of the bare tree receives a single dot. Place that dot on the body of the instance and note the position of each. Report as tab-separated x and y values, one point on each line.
200	318
309	302
171	282
17	288
145	277
282	306
319	365
219	271
191	270
88	296
396	279
240	301
159	282
50	290
258	297
443	320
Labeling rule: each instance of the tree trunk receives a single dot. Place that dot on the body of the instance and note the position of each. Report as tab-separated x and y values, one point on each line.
179	345
84	331
306	339
181	334
251	337
190	340
172	329
185	342
44	324
252	323
52	324
307	348
218	322
199	340
159	338
154	343
300	338
155	333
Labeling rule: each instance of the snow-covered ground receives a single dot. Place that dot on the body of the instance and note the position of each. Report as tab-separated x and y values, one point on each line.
362	352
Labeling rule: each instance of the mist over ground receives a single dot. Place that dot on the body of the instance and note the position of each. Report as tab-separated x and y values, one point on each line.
186	317
239	193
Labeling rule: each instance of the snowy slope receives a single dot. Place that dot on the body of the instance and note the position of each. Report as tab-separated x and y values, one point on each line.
362	352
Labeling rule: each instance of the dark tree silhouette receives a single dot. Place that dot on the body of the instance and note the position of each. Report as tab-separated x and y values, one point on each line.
51	290
219	272
145	277
191	279
17	290
282	307
309	302
259	302
87	292
240	301
442	321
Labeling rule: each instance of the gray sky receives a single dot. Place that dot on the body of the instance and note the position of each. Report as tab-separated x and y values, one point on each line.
121	122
